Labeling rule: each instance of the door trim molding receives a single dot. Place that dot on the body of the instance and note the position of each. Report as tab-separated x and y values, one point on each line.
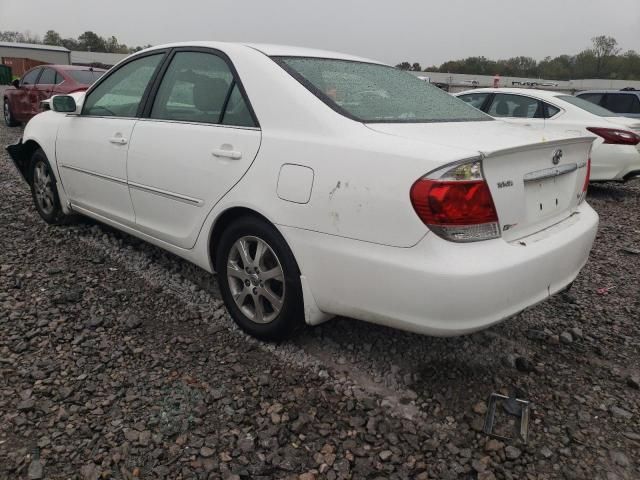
156	191
164	193
95	174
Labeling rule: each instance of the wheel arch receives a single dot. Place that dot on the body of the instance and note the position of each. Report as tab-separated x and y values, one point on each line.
228	216
22	157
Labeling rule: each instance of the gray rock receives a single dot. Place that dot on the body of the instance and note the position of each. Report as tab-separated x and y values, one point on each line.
620	412
566	337
512	452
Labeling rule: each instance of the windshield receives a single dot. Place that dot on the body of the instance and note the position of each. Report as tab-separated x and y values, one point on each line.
86	77
369	92
588	106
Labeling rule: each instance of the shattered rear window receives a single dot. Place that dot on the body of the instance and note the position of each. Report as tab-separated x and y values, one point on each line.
370	92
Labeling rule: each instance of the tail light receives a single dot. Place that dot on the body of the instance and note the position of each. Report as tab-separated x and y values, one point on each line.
456	204
616	137
585	185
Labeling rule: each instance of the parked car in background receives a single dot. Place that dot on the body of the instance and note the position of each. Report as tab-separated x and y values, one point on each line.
622	102
318	184
40	83
616	151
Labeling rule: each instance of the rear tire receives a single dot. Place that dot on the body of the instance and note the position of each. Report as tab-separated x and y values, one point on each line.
259	279
8	115
44	190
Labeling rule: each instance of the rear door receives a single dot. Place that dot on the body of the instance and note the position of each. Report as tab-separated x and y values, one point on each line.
198	137
27	97
518	109
91	148
46	84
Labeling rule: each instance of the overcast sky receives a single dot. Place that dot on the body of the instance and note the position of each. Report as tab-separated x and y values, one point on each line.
427	31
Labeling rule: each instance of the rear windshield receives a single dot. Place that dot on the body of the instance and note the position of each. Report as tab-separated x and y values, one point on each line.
588	106
369	92
86	77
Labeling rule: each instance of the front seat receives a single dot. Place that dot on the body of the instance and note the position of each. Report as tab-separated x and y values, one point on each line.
209	95
502	108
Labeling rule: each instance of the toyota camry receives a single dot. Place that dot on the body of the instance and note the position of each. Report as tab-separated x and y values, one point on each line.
318	184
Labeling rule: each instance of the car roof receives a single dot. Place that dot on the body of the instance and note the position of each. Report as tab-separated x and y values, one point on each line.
633	92
533	92
68	67
271	50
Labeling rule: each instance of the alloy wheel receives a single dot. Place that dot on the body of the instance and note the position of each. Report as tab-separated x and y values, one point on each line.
7	113
256	279
43	188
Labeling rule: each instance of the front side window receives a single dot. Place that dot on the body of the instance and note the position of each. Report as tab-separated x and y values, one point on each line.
515	106
475	99
48	77
622	102
194	89
31	77
583	104
369	92
120	94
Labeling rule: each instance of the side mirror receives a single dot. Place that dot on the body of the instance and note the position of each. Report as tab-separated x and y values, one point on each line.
16	83
63	104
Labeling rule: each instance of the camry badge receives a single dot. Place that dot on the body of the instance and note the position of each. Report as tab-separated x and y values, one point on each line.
557	155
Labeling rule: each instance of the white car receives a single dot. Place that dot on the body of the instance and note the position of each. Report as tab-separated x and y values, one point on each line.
318	184
616	152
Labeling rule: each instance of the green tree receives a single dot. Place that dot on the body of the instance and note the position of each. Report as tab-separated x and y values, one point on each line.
603	49
91	41
404	66
52	38
416	67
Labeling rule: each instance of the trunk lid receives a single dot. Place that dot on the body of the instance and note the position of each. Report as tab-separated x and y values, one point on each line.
536	178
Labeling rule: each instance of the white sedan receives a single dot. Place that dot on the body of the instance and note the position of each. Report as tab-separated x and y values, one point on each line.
318	184
616	151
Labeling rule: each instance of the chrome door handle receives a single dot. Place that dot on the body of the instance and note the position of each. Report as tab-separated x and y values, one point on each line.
233	154
118	140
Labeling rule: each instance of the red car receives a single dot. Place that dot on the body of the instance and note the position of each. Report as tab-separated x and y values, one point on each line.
23	102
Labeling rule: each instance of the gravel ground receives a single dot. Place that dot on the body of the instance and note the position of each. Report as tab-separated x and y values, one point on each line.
117	360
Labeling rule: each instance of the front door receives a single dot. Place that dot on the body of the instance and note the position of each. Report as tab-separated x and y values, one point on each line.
91	148
27	96
197	141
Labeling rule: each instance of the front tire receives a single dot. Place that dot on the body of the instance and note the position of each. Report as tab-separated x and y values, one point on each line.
8	115
44	190
259	279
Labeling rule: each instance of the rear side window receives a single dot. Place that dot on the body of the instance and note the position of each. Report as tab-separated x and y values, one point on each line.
86	77
551	110
120	94
369	92
48	77
622	102
199	87
515	106
592	97
475	99
59	78
31	77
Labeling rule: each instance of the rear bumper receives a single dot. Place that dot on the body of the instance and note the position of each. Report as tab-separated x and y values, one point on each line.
439	287
614	162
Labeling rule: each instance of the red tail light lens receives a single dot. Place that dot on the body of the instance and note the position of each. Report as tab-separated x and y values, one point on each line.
616	137
457	210
588	177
